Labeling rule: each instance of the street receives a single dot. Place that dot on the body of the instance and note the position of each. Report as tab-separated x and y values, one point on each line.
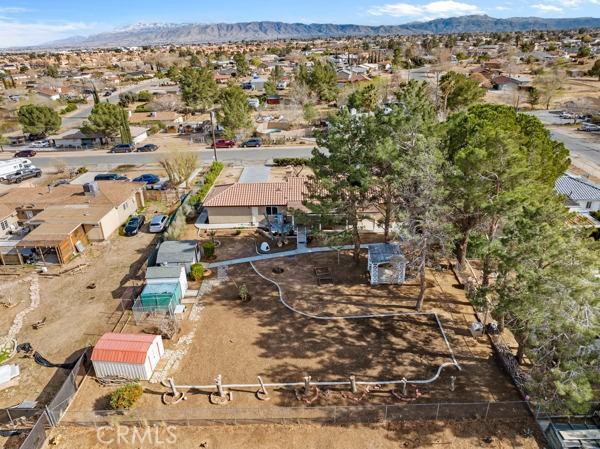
77	118
106	161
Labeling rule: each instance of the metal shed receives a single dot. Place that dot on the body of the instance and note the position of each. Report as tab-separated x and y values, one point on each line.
130	356
573	435
160	296
386	263
167	275
178	253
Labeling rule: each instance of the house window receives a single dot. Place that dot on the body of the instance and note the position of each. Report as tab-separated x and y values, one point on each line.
588	205
4	225
272	210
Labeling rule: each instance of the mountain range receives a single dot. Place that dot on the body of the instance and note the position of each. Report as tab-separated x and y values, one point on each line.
191	33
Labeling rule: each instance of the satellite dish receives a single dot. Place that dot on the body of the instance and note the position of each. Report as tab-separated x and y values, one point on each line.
265	247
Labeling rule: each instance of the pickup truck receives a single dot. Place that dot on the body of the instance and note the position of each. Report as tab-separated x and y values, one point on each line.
21	175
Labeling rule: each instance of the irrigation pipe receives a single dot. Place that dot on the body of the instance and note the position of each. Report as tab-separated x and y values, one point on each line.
358	317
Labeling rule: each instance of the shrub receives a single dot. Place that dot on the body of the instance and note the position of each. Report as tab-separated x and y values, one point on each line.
197	271
208	249
81	170
285	161
209	179
70	107
126	396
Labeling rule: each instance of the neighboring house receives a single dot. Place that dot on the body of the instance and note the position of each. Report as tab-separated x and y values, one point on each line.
254	204
52	94
182	253
8	220
582	195
507	83
59	222
168	118
76	139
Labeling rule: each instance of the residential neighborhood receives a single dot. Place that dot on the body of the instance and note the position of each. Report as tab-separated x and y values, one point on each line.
270	234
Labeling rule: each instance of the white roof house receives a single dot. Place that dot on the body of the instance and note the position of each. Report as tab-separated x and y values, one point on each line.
584	195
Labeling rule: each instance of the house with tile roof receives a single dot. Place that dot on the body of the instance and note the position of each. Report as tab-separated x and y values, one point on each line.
57	223
254	204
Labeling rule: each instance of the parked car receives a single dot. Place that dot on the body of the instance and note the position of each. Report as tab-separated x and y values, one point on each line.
25	153
224	143
123	148
589	127
254	103
40	144
147	178
254	142
21	175
133	225
107	93
110	177
158	223
147	148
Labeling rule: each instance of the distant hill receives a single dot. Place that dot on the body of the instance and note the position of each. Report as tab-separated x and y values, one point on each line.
189	33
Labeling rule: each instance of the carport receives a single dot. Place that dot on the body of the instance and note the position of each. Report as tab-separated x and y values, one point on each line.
55	242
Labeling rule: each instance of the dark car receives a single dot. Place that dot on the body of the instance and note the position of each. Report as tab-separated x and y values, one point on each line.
254	142
21	175
107	93
25	153
110	177
133	225
123	148
224	143
147	178
147	148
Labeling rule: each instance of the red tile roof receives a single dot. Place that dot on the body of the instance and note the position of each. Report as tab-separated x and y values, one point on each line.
258	194
123	348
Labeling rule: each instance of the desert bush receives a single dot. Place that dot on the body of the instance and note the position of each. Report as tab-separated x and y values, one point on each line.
126	396
197	271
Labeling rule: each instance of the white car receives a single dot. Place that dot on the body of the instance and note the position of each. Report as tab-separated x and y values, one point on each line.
40	144
254	103
158	223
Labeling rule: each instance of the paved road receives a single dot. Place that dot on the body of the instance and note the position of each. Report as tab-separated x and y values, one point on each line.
106	160
580	147
75	120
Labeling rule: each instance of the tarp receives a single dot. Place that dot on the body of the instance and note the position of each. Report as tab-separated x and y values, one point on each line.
161	296
8	373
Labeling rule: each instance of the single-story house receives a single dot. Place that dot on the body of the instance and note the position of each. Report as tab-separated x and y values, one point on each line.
52	94
582	194
183	253
503	82
74	138
254	204
59	222
168	118
131	356
138	134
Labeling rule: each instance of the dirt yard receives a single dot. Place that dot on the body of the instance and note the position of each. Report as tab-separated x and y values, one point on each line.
75	314
459	435
262	337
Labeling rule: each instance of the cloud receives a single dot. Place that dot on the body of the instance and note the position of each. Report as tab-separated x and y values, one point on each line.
12	9
445	8
547	8
18	34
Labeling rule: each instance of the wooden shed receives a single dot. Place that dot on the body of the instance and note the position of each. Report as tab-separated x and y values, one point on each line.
130	356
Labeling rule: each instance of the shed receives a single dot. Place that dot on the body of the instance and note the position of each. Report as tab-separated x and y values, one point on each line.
171	275
386	263
132	356
573	435
161	296
178	253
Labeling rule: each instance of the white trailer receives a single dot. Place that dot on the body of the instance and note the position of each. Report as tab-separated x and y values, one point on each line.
12	166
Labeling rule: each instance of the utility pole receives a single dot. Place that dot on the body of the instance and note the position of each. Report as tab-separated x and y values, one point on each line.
212	126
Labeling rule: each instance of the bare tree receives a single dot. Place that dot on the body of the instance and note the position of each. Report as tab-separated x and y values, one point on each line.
549	84
179	167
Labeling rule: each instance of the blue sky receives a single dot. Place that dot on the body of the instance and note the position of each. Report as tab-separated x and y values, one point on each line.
28	22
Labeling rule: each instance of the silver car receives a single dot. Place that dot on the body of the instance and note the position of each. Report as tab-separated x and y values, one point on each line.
158	223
